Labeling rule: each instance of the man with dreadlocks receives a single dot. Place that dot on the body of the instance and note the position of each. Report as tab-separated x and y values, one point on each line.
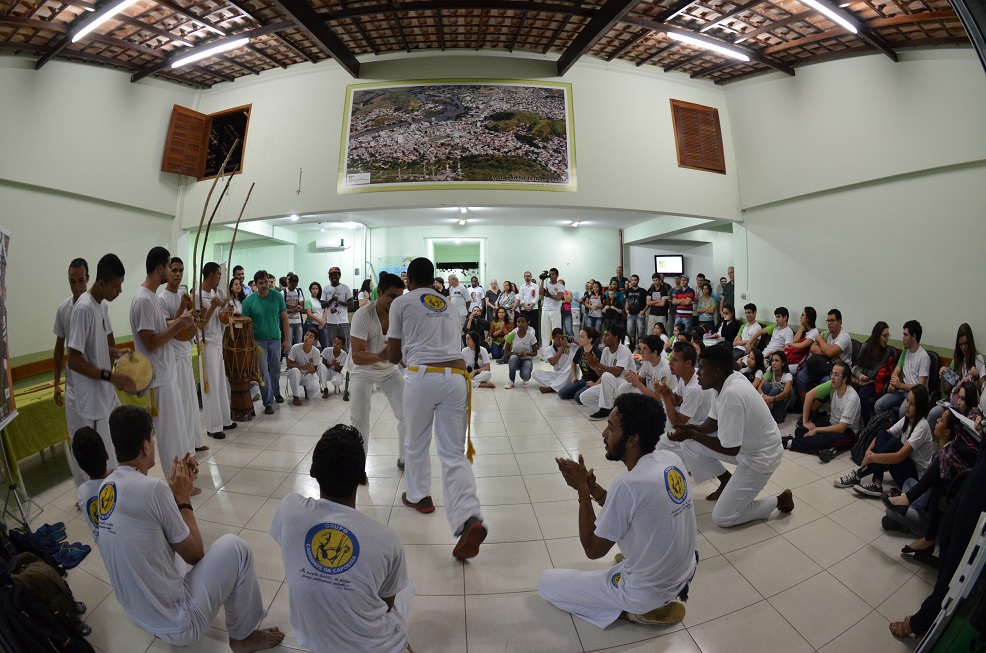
348	586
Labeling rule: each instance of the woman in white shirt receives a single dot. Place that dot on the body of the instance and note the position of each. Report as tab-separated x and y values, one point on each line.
365	291
477	361
905	449
775	386
316	314
236	296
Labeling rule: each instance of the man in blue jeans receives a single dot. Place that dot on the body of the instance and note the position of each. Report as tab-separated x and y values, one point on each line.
270	327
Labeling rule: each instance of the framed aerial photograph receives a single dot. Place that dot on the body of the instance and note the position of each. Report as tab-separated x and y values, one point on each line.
458	134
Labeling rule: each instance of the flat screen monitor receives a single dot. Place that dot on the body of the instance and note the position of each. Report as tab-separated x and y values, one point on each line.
669	264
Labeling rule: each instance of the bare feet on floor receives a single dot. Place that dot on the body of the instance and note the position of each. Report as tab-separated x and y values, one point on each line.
545	390
258	640
487	384
902	628
899	500
723	480
785	501
196	491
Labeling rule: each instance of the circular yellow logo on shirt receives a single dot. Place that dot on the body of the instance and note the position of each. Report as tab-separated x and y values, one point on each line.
107	501
674	481
331	548
92	511
615	580
435	303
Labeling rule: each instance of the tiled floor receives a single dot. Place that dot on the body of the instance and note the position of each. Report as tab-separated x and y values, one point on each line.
825	578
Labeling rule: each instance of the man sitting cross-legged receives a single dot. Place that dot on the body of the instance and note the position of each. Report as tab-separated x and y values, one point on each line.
648	513
653	370
348	586
616	359
747	437
146	524
558	354
827	436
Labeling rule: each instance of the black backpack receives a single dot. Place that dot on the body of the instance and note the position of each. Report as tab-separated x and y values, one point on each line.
878	422
27	625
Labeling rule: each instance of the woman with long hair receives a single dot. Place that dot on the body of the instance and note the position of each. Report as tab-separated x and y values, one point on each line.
499	328
593	307
730	326
365	290
966	361
477	361
582	373
236	295
872	370
775	386
804	338
508	300
315	314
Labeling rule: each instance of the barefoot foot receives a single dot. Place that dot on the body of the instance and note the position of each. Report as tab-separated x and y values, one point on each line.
545	390
723	480
901	628
785	501
196	491
258	640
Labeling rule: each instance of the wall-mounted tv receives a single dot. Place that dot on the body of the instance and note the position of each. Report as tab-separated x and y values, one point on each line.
669	264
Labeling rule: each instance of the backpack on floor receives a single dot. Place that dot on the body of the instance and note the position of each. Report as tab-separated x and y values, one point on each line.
28	626
877	423
45	583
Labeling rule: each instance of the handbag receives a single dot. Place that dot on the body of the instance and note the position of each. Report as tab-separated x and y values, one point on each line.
819	366
795	355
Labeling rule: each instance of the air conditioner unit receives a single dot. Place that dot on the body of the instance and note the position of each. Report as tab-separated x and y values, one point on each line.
334	244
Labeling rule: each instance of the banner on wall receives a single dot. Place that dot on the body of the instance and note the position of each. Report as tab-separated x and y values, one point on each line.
8	411
458	134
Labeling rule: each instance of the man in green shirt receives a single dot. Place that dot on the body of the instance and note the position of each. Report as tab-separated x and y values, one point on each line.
270	326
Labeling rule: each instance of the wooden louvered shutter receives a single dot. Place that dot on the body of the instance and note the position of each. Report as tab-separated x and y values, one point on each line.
698	137
187	144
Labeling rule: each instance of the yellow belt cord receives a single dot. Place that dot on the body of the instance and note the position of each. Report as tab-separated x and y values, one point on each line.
153	396
470	450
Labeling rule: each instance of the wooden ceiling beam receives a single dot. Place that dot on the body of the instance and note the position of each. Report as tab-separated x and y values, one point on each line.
738	9
685	60
429	5
908	19
770	27
629	43
674	10
558	30
291	46
520	26
395	14
600	23
658	52
754	56
441	29
305	17
712	69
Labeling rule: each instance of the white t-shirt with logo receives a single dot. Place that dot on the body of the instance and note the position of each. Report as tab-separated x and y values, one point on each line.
170	301
469	356
338	298
213	329
549	303
86	496
844	340
339	563
299	356
916	365
138	523
477	297
779	339
366	326
294	297
622	357
459	296
695	402
330	358
526	344
427	327
649	514
845	409
564	361
528	295
94	398
746	422
62	329
147	314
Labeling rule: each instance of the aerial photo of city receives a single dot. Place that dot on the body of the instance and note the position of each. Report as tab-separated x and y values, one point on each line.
468	134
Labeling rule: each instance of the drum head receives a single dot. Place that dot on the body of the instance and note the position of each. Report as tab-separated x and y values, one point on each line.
138	367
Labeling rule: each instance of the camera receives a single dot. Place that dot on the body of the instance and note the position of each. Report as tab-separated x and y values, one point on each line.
544	275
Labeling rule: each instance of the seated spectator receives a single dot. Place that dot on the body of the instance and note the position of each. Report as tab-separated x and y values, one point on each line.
747	333
823	352
967	364
684	302
582	372
305	369
499	328
477	361
144	522
904	450
781	334
707	307
521	351
647	513
804	338
776	386
911	370
592	307
333	361
729	327
558	354
90	453
475	322
616	359
661	332
684	400
348	587
677	334
753	367
653	369
871	372
826	436
613	312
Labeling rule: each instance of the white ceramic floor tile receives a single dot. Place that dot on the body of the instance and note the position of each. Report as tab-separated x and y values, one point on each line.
756	628
437	623
433	569
506	567
230	508
773	566
717	589
824	541
872	633
534	625
804	604
871	575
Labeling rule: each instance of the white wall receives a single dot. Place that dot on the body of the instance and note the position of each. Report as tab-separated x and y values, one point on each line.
625	152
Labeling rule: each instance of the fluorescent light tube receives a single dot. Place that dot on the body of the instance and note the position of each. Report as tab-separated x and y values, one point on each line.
708	46
831	14
101	18
208	52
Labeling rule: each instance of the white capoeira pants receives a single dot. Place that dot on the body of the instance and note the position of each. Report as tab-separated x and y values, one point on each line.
590	397
312	382
225	577
360	389
549	320
438	399
327	375
611	387
189	400
482	377
169	425
738	503
74	423
215	402
102	426
554	379
592	595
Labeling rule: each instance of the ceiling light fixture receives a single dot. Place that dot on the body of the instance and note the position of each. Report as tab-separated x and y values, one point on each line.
463	209
101	17
462	223
831	14
294	217
684	38
576	223
213	49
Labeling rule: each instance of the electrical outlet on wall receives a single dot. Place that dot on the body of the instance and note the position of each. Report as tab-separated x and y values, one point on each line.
745	295
356	272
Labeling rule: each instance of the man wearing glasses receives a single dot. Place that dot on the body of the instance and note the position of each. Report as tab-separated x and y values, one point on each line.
837	344
827	436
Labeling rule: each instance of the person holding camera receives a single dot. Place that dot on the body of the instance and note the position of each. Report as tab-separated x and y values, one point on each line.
558	354
553	293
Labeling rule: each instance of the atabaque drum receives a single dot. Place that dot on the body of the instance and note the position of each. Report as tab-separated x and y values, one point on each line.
240	360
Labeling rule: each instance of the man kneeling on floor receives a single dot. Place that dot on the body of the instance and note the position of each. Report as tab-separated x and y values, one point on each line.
648	513
347	576
144	523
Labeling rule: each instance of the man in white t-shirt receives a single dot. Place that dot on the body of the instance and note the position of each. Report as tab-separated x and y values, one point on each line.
477	296
348	587
458	296
836	344
370	366
747	333
827	436
78	281
913	368
521	348
337	297
747	437
294	299
214	313
147	535
305	369
177	303
616	359
333	365
558	354
684	400
653	368
153	337
780	336
92	351
425	334
528	296
553	294
89	454
647	513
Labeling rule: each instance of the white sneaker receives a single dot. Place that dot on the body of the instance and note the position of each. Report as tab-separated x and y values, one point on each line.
509	385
